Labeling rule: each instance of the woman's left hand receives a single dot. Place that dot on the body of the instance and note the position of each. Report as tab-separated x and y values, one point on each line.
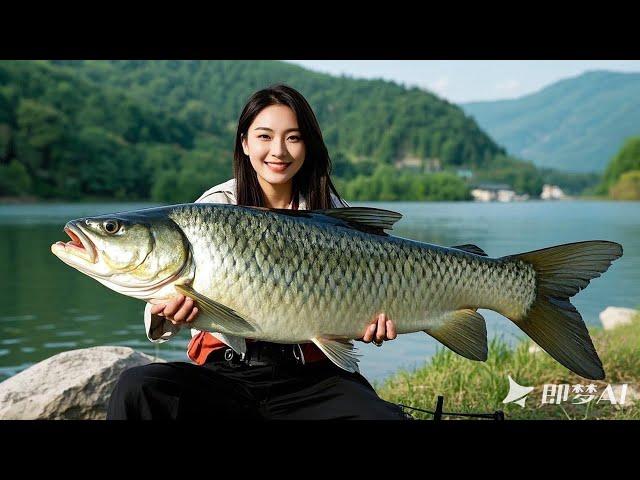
381	329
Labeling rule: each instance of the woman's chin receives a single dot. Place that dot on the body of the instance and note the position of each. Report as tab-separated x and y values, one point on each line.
276	178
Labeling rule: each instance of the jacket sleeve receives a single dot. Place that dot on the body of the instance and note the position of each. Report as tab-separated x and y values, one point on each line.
160	329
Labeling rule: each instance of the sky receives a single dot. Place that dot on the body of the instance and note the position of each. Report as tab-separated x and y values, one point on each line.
461	81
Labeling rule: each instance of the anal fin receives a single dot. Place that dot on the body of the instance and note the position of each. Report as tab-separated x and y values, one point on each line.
464	332
342	353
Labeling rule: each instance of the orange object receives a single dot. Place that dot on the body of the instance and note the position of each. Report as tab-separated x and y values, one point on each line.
204	343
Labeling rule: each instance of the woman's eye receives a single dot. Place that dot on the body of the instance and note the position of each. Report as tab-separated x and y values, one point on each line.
294	138
264	135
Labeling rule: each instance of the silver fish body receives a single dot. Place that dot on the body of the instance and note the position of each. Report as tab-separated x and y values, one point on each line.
321	276
299	278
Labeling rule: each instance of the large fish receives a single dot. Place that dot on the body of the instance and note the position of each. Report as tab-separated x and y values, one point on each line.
320	276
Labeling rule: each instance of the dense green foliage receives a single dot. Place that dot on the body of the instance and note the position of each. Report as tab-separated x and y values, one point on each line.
627	187
574	125
627	159
387	184
165	129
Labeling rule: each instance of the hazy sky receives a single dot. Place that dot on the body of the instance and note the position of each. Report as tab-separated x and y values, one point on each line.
462	81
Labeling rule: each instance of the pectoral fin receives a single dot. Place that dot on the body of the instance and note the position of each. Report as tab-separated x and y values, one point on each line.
342	353
237	344
464	332
219	314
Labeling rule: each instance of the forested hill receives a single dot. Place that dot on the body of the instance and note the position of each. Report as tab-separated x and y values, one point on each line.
164	130
575	125
361	118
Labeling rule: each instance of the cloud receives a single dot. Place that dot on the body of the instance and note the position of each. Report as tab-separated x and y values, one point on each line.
508	86
440	85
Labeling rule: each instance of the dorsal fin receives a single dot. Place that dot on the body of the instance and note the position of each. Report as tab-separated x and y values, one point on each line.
365	219
468	247
375	218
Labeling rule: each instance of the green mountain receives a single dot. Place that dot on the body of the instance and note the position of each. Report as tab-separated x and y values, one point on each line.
165	130
574	125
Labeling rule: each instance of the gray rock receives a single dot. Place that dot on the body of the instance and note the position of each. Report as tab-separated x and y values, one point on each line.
611	317
73	385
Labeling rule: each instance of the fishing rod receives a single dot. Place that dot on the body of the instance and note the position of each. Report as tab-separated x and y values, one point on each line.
438	413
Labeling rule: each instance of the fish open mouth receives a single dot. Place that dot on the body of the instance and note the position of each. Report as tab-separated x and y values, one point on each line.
79	245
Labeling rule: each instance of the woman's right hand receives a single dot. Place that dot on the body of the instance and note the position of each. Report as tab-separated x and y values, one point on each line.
178	311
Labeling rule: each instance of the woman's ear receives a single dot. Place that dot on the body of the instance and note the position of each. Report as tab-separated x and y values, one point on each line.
245	147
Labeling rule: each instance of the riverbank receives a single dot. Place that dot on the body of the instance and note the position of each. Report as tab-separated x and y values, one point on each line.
469	386
28	200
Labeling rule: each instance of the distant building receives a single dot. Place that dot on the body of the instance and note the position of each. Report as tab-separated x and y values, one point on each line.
426	165
552	192
464	173
412	163
500	192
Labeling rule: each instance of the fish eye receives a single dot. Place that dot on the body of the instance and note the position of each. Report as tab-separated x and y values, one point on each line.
111	226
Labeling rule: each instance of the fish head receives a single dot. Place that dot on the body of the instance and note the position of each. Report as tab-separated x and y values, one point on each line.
135	253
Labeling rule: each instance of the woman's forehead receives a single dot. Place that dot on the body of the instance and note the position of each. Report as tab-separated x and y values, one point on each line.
275	117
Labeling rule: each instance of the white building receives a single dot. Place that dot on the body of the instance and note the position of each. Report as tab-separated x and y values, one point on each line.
552	192
493	192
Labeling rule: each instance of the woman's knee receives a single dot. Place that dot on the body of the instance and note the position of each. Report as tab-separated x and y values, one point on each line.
134	378
140	388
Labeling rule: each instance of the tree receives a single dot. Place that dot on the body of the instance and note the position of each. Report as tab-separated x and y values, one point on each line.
14	179
627	187
628	158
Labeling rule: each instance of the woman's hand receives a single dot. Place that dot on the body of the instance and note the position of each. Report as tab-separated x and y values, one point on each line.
381	329
179	310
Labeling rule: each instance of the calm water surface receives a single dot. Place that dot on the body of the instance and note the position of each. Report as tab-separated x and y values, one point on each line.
47	307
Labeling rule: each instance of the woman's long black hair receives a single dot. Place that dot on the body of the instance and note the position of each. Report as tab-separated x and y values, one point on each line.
312	181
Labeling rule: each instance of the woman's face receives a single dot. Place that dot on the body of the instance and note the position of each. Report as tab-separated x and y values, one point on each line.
274	144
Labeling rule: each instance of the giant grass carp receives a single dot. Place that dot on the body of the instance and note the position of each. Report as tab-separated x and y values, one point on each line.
320	276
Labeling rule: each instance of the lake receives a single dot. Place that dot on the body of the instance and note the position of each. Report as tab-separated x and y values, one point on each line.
47	307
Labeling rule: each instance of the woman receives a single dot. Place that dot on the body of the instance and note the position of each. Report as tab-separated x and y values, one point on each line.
280	161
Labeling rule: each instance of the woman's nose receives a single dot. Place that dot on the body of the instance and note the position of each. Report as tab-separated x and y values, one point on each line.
278	149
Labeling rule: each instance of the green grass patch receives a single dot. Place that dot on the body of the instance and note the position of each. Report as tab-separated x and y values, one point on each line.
469	386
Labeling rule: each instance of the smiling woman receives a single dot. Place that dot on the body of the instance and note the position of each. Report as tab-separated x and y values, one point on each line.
280	162
277	152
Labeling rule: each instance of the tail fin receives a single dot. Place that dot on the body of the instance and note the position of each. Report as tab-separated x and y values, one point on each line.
552	321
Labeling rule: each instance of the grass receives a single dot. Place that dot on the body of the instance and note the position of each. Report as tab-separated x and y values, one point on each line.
469	386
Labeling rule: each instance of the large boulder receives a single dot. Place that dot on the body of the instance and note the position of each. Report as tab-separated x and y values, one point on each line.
71	385
611	317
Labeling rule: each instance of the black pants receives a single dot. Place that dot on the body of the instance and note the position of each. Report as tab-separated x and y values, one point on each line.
223	391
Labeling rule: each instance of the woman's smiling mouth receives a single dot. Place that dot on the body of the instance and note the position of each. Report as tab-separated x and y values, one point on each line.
278	166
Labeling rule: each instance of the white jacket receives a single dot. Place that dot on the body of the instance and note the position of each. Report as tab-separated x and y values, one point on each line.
160	329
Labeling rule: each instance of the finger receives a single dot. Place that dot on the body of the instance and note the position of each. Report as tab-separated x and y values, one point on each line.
193	315
156	309
173	306
186	309
391	330
381	331
368	335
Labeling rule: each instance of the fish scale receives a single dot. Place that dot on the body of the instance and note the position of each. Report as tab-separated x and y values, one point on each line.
334	279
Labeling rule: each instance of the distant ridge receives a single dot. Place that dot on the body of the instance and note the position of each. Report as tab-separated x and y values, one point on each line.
575	125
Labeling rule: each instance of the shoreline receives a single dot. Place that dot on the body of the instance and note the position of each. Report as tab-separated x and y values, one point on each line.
58	201
474	387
